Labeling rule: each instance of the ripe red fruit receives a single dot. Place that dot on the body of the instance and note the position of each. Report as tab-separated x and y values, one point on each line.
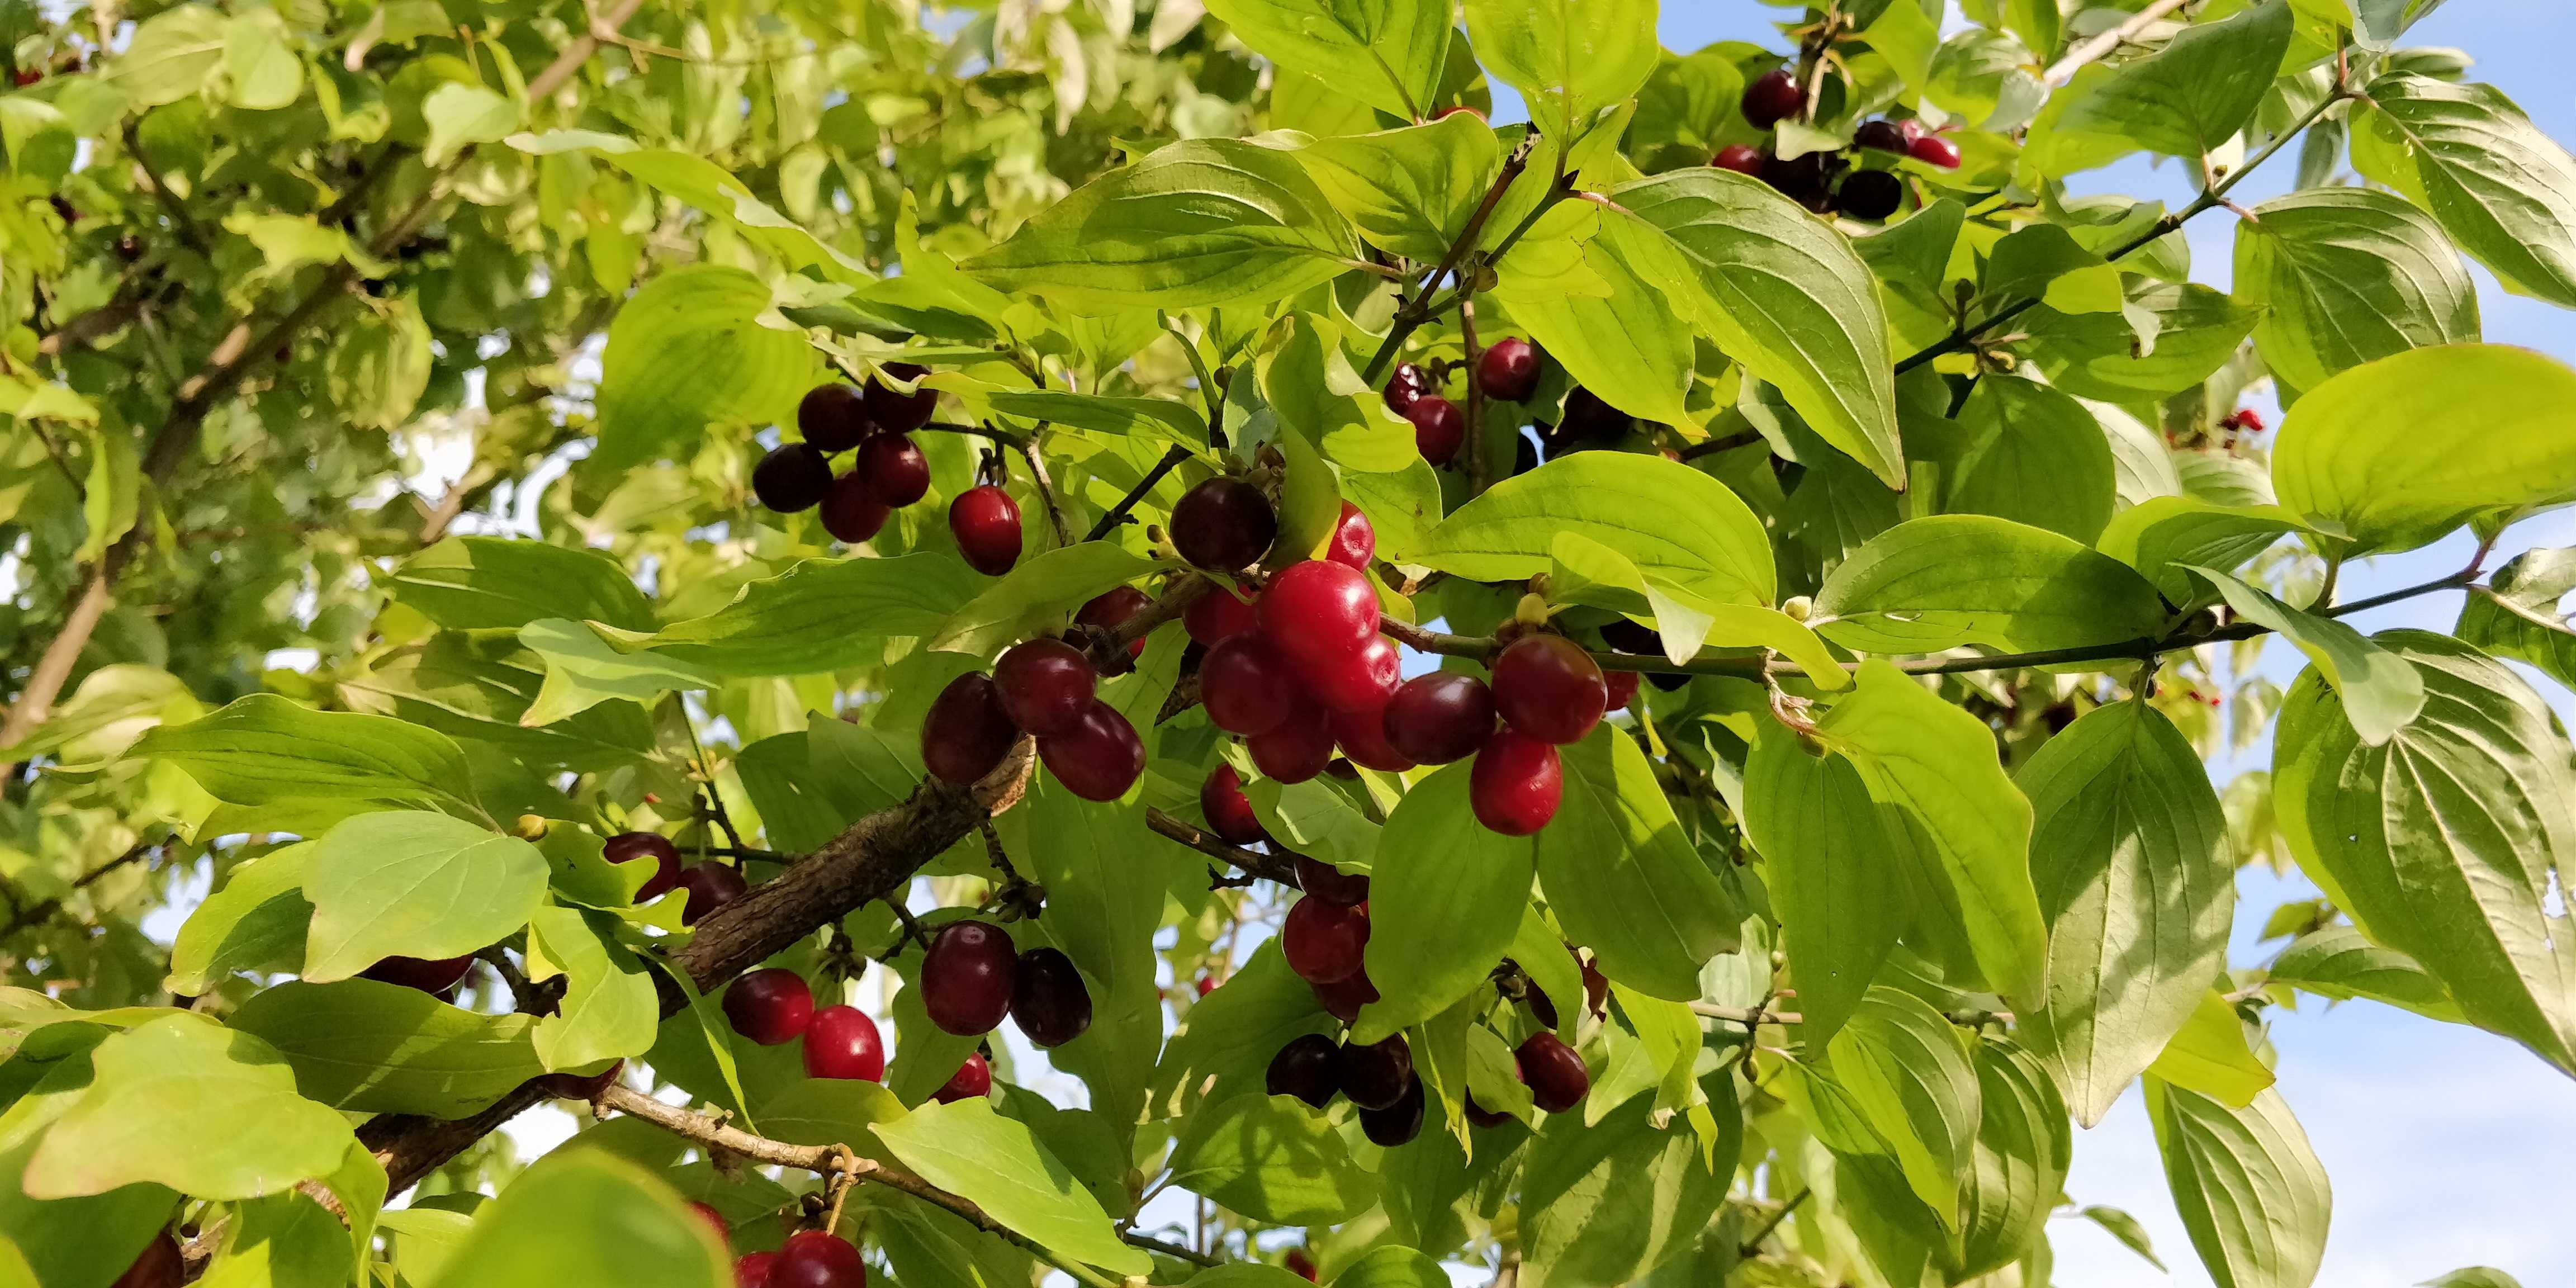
1910	129
752	1269
1362	736
967	732
1870	194
1047	686
1049	999
895	411
770	1006
1932	149
1546	686
437	978
1299	1263
1803	179
1588	419
1354	539
1516	783
1439	428
833	417
1111	607
1246	686
26	76
966	977
1360	680
1882	135
159	1265
843	1042
1408	383
1740	158
1344	998
1321	880
1508	369
1324	941
1306	1068
723	1229
710	885
1100	759
1479	1116
851	511
2248	419
1296	748
1217	616
1375	1076
1553	1072
818	1259
1206	985
1622	687
1398	1123
1229	814
1224	523
972	1081
793	477
626	847
1773	97
1319	610
896	471
1596	986
1437	718
986	522
574	1086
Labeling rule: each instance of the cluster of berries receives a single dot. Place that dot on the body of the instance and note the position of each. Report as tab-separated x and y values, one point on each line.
809	1259
888	472
972	978
1507	369
1826	180
1048	689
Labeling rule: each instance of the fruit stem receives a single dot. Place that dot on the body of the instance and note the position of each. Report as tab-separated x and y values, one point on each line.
1415	313
1172	457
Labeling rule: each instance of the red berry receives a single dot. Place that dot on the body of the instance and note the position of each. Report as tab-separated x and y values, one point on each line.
2249	420
1321	880
438	978
1217	616
818	1259
1740	158
1479	1116
752	1269
1295	749
1224	523
1508	369
26	76
966	977
1360	680
896	471
1881	135
626	847
1246	686
1622	686
710	885
1206	985
1546	686
1229	813
1344	998
1375	1076
792	477
1932	149
160	1264
1108	609
1870	194
1803	179
1354	539
843	1042
1772	98
713	1218
897	412
986	522
1362	737
1408	383
1588	419
1553	1072
1437	718
574	1086
851	511
1318	611
967	732
1324	941
1306	1068
1049	999
1596	986
770	1006
1516	783
1300	1264
1909	129
1439	428
972	1081
1398	1123
1100	759
833	417
1047	686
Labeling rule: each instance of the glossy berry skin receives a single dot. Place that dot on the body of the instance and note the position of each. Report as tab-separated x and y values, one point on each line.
1480	1117
1932	149
1516	783
1437	718
1553	1072
752	1269
1439	428
1217	616
791	478
972	1081
1109	608
1622	687
1100	759
843	1042
1047	686
1295	749
986	522
1773	97
1324	941
1362	738
1206	985
851	511
715	1219
1408	383
1049	999
833	417
1398	1123
1247	686
897	412
1319	610
897	472
1546	686
1307	1068
1881	136
1224	523
818	1259
770	1007
1508	369
967	732
1321	880
626	847
1870	194
159	1265
1354	541
966	977
1344	998
1360	680
437	978
710	885
1375	1076
1229	813
1741	158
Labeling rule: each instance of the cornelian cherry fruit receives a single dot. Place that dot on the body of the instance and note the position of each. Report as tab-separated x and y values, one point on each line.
1111	608
1100	758
438	978
1047	686
1321	880
833	417
851	511
818	1259
792	477
709	885
1344	998
897	472
1306	1068
1508	369
966	977
1224	523
1398	1123
626	847
1553	1072
1324	941
770	1007
1246	686
1408	383
1319	610
1437	718
1516	783
972	1081
1362	737
1049	999
986	522
1217	616
898	412
1229	813
1439	428
843	1042
1740	158
1362	680
1773	97
752	1269
1354	539
1547	687
1296	748
1375	1076
967	731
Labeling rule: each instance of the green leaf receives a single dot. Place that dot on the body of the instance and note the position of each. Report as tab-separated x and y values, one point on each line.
1197	224
474	583
1103	912
1907	1072
1810	816
1595	287
381	363
110	496
1273	1159
186	1078
1445	899
1606	1203
1410	192
2210	1055
584	1218
2126	1229
366	1047
1228	1037
2111	357
2500	186
2165	536
255	923
1567	60
1035	591
1622	877
2338	963
1392	1267
171	55
1939	582
2249	1189
2380	692
2343	276
2017	1165
688	353
461	116
609	1010
2438	843
2400	452
2473	1277
2516	613
823	615
1671	521
1789	298
413	884
967	1149
1313	818
2188	98
260	62
265	750
1388	54
1154	417
2035	456
2129	857
584	670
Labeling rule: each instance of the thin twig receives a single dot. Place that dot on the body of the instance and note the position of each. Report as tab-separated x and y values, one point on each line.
180	220
2065	68
1412	316
1046	489
1476	472
1003	436
1754	1244
1273	867
41	910
1172	457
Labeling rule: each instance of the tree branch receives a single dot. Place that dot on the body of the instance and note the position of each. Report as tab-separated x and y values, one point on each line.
39	911
1172	457
1273	867
1413	315
2093	50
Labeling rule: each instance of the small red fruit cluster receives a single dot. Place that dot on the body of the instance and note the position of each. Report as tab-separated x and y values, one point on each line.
1508	369
888	472
773	1007
973	977
1824	181
2246	419
809	1259
1048	689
